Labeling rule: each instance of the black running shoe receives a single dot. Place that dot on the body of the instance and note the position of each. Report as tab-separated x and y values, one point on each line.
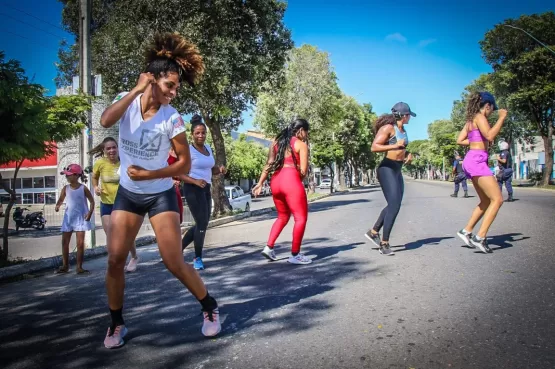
375	238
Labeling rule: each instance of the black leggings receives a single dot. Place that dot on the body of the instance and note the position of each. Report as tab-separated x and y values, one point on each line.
393	187
199	201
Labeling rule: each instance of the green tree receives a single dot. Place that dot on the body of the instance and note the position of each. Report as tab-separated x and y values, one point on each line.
31	124
326	152
245	159
243	44
309	91
423	157
524	73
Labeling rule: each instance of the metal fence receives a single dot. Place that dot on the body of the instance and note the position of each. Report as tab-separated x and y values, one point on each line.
54	219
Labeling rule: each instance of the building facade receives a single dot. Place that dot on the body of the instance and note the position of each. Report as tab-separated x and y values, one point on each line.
529	158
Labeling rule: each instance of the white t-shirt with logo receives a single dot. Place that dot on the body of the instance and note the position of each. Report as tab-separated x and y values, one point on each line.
147	144
201	165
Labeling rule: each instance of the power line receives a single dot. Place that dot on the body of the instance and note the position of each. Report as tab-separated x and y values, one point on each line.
27	38
31	15
31	25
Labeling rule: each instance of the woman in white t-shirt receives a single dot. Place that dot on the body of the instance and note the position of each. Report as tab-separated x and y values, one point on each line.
148	128
197	188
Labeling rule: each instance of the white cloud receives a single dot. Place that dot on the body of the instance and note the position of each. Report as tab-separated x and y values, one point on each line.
424	43
396	37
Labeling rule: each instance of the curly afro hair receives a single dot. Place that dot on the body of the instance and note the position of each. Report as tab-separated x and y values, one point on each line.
171	52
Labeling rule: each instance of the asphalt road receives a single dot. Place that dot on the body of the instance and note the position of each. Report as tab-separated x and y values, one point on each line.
434	304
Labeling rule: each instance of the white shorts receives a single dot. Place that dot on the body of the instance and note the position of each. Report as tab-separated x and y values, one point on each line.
75	223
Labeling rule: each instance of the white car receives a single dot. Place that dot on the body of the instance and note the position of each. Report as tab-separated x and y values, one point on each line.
326	183
237	198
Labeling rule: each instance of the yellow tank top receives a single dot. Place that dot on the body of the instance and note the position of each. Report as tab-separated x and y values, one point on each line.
109	179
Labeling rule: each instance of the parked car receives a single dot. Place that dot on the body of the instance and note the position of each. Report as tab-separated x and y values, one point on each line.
238	199
266	190
326	183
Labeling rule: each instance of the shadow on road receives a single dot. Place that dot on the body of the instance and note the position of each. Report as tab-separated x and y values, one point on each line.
60	321
328	205
502	241
426	241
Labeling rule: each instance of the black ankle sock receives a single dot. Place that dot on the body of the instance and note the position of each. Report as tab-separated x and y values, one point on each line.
117	319
294	253
208	303
270	247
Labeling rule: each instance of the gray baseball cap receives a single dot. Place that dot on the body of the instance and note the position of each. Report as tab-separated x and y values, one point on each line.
402	108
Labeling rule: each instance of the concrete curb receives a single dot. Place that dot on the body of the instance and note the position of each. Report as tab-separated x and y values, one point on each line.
54	262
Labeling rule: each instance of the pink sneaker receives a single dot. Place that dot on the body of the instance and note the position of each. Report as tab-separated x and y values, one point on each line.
211	325
132	266
116	339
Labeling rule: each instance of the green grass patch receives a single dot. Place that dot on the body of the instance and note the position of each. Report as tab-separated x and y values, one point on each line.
315	196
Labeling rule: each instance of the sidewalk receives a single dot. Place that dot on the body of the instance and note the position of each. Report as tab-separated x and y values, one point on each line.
145	237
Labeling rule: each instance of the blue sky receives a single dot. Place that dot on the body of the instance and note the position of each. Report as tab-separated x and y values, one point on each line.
420	52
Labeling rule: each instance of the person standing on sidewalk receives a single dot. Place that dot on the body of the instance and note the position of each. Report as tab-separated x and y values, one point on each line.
459	178
197	189
106	170
392	139
477	134
148	128
76	217
505	173
288	161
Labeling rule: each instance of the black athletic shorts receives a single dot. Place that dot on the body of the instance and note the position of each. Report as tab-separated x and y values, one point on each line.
141	204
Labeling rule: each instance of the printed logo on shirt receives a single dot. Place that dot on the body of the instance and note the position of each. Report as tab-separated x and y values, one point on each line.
177	122
147	148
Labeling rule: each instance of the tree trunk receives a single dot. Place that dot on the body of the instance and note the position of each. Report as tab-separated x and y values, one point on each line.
356	174
548	145
341	174
221	202
311	178
5	248
332	176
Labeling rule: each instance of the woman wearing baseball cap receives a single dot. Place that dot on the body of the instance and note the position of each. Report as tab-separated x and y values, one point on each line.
392	139
477	134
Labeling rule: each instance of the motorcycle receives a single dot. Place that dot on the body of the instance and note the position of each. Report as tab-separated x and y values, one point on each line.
32	220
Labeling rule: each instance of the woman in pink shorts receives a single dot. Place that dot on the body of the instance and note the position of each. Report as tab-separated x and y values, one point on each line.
477	134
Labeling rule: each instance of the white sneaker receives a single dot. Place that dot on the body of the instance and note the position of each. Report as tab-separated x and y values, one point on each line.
299	259
132	266
269	254
211	325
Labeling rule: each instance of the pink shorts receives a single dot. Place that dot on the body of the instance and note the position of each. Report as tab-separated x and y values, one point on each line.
475	164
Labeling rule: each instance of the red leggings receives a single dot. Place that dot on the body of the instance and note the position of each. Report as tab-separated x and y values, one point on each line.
289	197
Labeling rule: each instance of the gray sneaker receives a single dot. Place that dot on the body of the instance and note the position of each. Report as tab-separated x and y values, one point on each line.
375	238
466	236
480	243
385	249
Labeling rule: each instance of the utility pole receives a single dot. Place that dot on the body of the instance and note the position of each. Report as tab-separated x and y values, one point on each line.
85	11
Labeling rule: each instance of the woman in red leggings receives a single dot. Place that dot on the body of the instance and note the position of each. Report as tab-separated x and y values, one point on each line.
288	161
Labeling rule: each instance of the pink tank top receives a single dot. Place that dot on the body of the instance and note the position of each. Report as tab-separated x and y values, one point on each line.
475	135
